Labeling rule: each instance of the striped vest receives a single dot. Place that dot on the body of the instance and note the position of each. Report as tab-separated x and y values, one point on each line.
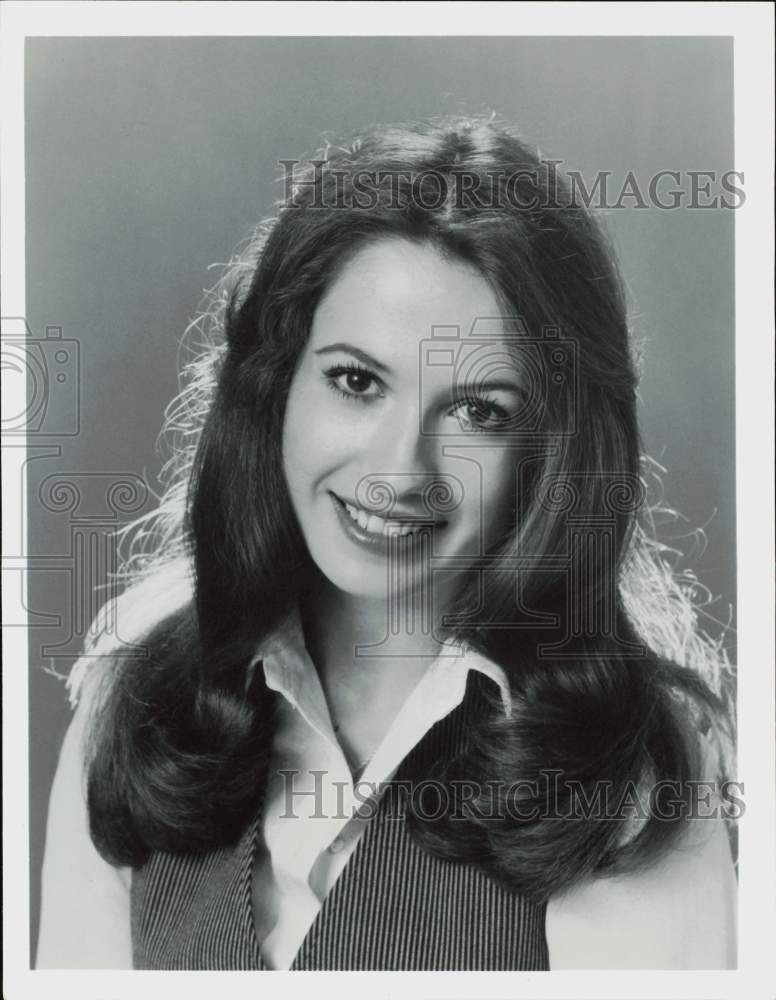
394	907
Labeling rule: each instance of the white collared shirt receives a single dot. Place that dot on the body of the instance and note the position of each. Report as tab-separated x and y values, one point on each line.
309	828
85	909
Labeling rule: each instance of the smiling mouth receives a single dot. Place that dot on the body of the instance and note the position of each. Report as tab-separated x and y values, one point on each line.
375	526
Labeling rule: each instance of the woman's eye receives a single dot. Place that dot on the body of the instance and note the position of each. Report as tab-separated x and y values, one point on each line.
479	414
353	382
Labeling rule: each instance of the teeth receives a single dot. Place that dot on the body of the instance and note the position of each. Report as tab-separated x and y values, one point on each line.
375	525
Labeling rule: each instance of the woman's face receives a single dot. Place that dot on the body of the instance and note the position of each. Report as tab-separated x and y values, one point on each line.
394	446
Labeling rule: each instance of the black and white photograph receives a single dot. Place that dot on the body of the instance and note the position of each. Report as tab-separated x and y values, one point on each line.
388	513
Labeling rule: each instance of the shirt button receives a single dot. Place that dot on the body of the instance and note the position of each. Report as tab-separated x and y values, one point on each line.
336	845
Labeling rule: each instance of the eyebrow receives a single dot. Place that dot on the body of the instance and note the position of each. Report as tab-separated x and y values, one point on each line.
488	386
367	359
459	391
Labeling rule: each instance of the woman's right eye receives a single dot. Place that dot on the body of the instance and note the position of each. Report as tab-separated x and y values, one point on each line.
353	382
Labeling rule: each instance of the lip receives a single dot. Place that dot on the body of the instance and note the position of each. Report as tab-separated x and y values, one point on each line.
411	544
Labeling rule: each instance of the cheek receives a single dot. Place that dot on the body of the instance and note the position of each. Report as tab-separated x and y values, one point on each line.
487	479
317	437
498	492
301	447
293	439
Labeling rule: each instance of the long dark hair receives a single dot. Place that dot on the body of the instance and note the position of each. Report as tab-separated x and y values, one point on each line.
612	679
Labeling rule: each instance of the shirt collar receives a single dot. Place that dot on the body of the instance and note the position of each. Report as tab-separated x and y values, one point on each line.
289	670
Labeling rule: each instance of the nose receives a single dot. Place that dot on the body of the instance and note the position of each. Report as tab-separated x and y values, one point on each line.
399	446
401	462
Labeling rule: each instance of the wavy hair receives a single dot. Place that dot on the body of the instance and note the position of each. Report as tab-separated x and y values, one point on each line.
621	689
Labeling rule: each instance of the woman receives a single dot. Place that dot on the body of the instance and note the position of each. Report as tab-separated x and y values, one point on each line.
413	689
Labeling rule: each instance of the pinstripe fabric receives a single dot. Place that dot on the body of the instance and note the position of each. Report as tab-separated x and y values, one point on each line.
394	907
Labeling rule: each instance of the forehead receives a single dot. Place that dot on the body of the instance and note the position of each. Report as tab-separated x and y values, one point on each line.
392	293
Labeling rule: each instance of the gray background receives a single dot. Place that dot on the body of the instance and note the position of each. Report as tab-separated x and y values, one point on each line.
147	160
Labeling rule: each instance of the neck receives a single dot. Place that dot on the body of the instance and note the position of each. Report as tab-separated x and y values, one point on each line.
346	631
357	627
369	654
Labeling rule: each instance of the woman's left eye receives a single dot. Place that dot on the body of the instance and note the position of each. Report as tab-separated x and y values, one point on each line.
353	382
479	414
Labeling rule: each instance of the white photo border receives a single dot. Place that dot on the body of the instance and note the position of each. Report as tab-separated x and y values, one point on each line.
751	27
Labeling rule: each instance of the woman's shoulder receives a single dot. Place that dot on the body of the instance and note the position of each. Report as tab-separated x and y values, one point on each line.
84	899
677	914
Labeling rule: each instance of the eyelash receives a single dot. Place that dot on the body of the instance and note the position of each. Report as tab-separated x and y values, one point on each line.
483	403
332	374
337	371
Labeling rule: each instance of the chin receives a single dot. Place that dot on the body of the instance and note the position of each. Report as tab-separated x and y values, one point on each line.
362	577
369	584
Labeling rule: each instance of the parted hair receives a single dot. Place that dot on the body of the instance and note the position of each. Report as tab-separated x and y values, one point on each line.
613	678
